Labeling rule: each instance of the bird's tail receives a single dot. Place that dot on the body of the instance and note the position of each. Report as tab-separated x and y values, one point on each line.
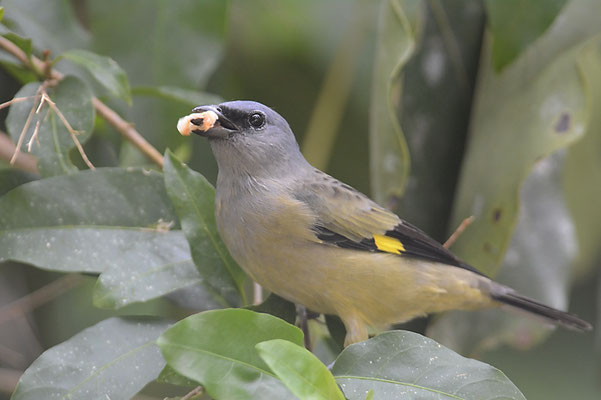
553	315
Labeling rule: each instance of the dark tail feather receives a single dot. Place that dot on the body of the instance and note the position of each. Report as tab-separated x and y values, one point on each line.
556	316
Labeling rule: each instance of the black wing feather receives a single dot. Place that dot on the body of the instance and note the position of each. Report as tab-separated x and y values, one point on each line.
416	243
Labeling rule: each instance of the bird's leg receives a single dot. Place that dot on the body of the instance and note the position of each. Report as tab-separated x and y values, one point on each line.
356	330
301	311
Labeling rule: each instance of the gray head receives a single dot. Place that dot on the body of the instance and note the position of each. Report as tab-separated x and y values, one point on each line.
251	138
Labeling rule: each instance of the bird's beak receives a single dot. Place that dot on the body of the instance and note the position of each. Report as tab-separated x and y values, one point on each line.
221	128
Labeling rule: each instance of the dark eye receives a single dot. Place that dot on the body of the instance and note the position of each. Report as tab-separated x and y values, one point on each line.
256	119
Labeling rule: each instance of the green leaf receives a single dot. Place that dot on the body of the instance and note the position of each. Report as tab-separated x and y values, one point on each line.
194	200
74	100
217	349
190	98
515	24
529	122
302	372
401	364
113	221
158	44
582	167
51	24
104	70
1	13
89	202
113	359
276	306
169	375
11	178
157	264
24	44
389	155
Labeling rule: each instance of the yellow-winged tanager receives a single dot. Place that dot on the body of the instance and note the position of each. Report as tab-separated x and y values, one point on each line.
317	242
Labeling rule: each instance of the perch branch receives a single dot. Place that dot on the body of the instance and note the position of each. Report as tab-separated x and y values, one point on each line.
24	161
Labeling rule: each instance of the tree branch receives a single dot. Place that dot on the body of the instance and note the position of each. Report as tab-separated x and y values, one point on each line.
125	128
8	379
24	161
38	297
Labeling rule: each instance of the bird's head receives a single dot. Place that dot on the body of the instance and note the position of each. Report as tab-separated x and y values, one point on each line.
246	136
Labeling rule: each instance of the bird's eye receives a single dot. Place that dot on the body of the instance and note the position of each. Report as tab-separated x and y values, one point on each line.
256	119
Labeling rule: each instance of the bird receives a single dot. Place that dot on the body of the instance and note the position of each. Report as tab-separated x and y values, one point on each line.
318	242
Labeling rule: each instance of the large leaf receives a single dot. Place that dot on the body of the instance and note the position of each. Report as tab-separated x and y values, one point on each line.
535	107
155	264
113	221
538	105
74	100
104	70
178	45
114	359
582	168
11	178
389	155
400	364
515	24
69	206
194	200
217	349
302	372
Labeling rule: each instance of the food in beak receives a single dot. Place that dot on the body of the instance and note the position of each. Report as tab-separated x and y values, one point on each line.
196	122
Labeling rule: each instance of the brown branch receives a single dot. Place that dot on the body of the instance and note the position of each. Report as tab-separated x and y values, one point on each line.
464	224
24	161
26	125
39	297
123	127
128	131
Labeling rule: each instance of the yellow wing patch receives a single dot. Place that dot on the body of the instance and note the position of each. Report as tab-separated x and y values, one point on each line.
389	244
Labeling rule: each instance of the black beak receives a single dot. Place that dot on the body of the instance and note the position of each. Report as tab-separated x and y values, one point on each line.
223	127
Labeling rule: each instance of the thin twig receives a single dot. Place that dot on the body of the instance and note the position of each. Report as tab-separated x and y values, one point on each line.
123	127
72	132
26	125
128	131
39	297
24	161
194	392
12	357
464	224
34	136
14	100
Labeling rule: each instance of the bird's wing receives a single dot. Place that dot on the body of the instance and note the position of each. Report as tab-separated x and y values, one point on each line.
347	218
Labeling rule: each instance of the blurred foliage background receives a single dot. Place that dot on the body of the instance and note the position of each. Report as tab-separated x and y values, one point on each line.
437	109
